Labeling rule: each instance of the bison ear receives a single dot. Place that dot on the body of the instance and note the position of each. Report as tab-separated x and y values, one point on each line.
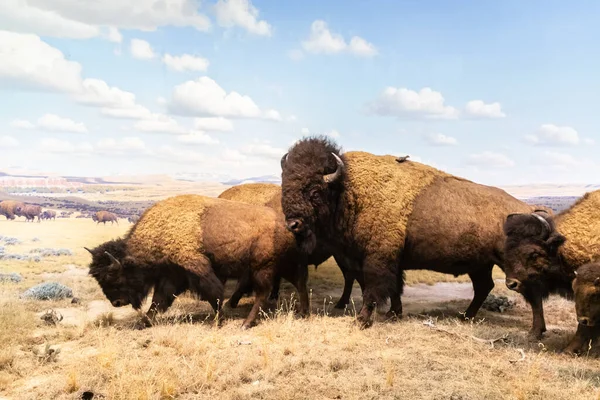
554	242
511	219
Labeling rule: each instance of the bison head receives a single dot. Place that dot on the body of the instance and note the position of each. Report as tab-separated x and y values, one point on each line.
587	294
122	282
531	252
311	180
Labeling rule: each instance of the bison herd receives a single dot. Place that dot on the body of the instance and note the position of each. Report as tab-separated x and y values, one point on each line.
12	209
378	216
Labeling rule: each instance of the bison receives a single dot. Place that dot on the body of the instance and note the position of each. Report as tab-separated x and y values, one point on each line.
105	216
29	211
48	214
180	244
383	217
10	208
269	194
543	252
586	288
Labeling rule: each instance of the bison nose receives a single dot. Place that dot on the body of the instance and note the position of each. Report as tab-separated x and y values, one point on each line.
584	321
117	303
294	225
513	284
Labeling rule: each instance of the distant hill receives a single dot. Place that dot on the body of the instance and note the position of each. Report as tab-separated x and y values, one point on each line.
257	179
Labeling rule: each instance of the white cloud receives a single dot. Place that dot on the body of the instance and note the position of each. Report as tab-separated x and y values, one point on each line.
292	118
439	139
160	123
28	61
52	123
296	54
241	13
478	109
124	146
53	145
97	93
185	62
134	112
489	159
263	150
322	41
204	97
213	124
161	101
8	141
589	141
83	19
402	102
552	135
564	162
333	133
22	124
305	131
141	49
272	115
114	35
196	138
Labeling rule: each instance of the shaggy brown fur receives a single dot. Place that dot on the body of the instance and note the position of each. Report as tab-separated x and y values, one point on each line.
269	194
105	216
586	287
542	256
383	217
10	208
29	211
192	242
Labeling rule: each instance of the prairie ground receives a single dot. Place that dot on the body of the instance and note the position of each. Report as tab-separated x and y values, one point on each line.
429	354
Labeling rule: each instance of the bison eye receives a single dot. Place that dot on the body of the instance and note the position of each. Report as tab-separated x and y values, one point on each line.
533	256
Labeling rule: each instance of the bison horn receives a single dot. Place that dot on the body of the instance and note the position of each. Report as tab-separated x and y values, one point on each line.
89	250
545	224
283	159
338	171
115	262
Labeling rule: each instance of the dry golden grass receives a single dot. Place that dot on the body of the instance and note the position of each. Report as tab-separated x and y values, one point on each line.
429	354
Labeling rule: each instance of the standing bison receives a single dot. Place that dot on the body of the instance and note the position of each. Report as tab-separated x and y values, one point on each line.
383	216
180	244
105	216
269	194
29	211
586	287
48	214
10	208
542	252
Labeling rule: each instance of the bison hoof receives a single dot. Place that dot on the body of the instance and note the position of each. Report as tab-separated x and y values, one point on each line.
247	325
341	304
233	303
364	323
392	316
535	335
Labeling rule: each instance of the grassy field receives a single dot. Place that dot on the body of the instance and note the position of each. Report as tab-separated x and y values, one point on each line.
429	354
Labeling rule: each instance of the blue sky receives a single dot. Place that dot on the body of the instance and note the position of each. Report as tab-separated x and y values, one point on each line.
498	92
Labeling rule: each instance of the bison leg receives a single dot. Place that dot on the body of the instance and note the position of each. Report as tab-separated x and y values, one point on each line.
380	280
537	308
581	341
301	286
260	301
275	291
395	311
210	288
349	277
244	285
482	286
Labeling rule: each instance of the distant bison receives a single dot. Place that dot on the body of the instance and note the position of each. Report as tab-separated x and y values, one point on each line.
192	242
133	218
105	216
30	211
269	194
586	286
10	208
543	252
48	214
384	215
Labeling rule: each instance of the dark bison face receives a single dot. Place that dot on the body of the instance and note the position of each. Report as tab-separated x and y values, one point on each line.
587	294
531	251
311	177
120	280
18	210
